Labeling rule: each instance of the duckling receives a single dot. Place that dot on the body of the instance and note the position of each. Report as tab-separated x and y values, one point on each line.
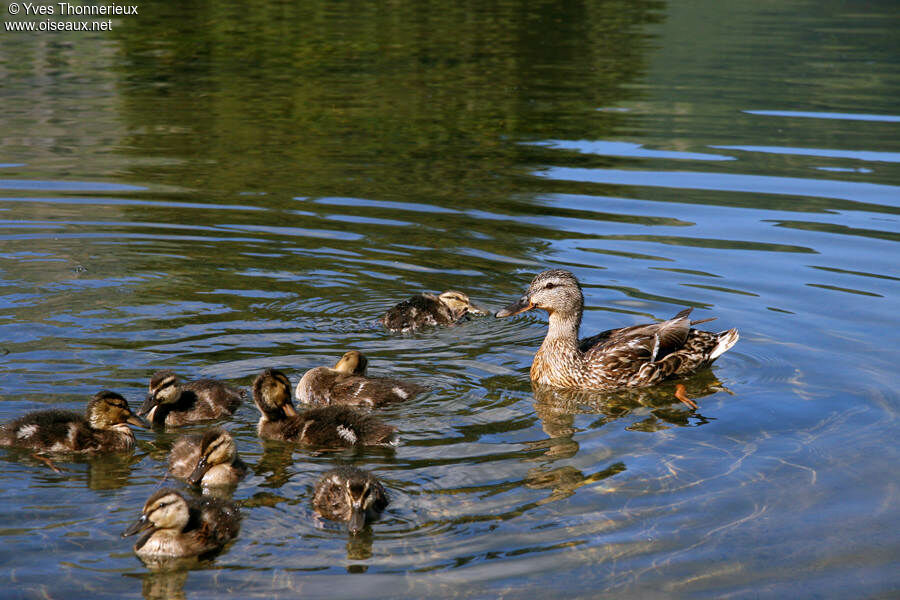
173	404
179	528
350	494
209	459
103	429
328	426
635	356
347	383
428	309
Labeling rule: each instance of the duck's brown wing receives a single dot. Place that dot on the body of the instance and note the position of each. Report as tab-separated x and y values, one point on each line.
419	311
53	430
184	456
342	426
330	500
316	386
643	343
372	391
211	399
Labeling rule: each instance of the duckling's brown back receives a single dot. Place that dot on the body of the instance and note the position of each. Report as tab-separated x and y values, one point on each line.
418	311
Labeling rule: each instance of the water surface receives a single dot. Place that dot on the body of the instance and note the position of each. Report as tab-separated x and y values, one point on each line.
218	191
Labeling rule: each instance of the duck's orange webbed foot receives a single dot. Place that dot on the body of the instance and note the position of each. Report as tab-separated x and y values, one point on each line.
47	462
681	394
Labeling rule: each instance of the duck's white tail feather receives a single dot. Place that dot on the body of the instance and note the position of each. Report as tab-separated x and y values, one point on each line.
727	339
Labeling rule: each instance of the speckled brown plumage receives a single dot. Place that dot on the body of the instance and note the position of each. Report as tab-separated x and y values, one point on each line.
207	459
635	356
425	309
350	494
180	527
347	383
172	404
104	429
323	427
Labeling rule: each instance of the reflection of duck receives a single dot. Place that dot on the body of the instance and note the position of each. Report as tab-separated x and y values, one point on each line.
557	407
173	404
328	426
178	528
427	309
350	494
635	356
104	429
347	383
209	459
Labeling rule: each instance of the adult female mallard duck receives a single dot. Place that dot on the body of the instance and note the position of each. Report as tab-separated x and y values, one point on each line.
103	429
628	357
328	426
428	309
173	404
208	459
347	383
180	528
350	494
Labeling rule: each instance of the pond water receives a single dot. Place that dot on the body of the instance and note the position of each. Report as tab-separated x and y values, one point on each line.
219	190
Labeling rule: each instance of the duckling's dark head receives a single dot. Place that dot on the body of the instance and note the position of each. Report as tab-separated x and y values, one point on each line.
555	290
108	409
163	389
272	395
360	498
166	509
352	363
459	303
216	448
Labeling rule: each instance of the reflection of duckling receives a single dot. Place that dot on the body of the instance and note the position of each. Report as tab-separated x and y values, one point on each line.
173	404
635	356
104	429
209	459
350	494
347	383
428	309
328	426
179	528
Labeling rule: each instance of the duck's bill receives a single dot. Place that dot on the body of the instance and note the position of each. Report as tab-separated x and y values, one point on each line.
149	403
477	310
357	520
519	306
199	471
137	421
138	526
289	410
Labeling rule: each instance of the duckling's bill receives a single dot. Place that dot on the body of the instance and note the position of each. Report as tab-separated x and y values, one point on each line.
135	420
147	405
138	526
199	471
357	519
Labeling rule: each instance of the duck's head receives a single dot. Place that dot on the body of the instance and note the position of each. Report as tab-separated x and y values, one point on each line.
459	304
163	389
272	395
108	409
216	448
166	509
360	498
556	291
352	363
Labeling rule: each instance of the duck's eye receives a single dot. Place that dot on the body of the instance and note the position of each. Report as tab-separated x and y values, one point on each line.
549	286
